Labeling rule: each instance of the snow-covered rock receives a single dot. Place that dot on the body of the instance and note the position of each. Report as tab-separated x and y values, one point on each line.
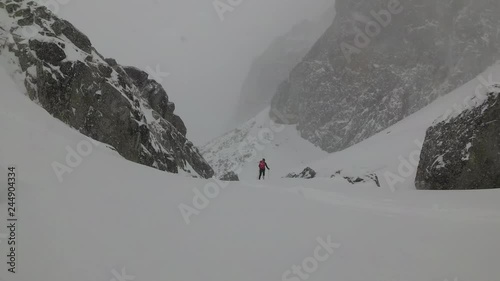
463	151
308	173
230	176
57	66
366	178
352	85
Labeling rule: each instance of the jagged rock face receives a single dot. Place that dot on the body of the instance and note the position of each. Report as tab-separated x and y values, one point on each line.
354	83
116	105
156	96
463	152
274	65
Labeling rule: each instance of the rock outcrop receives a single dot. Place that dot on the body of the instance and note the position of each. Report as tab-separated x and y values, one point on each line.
117	105
230	176
463	151
363	179
383	60
357	178
308	173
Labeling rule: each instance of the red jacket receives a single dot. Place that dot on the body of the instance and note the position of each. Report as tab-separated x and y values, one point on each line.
263	165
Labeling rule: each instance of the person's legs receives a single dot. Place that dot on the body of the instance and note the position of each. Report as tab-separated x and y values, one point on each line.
262	173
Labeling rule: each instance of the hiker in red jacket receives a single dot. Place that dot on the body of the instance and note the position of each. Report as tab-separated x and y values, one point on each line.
262	168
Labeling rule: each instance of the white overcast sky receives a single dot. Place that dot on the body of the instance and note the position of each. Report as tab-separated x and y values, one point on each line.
207	58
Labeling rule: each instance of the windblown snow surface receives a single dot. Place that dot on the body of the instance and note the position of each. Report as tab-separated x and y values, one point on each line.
111	219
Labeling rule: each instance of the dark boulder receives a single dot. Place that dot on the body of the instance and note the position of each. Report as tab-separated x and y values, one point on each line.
230	176
139	77
463	152
48	52
111	62
73	34
11	7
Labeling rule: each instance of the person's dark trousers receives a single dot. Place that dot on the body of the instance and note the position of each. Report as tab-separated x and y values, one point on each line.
262	173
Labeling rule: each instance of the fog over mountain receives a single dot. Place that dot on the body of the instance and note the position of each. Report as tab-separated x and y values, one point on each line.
207	58
274	65
381	61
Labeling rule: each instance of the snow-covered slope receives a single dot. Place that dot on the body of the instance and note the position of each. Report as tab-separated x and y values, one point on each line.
394	153
116	220
259	138
59	68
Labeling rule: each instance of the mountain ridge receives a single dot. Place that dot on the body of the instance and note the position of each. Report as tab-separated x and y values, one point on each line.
59	69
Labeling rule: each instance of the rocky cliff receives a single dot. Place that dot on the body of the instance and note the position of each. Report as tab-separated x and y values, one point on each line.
274	65
117	105
463	151
383	60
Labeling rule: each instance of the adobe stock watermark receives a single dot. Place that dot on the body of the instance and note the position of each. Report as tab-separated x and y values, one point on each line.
225	6
202	199
407	167
121	276
373	28
74	158
251	145
310	265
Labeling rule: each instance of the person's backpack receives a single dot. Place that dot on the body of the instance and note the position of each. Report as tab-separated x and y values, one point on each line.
262	165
